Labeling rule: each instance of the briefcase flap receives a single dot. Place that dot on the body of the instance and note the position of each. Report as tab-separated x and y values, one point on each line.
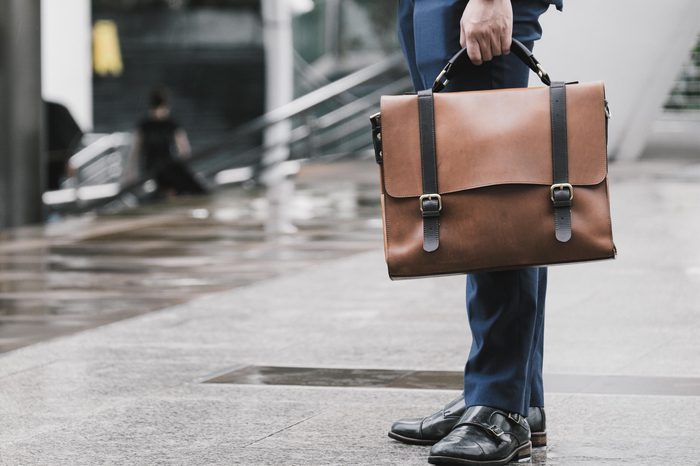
489	138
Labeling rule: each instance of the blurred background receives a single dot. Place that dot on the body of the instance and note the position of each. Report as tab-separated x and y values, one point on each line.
257	84
212	159
255	155
156	150
261	131
227	66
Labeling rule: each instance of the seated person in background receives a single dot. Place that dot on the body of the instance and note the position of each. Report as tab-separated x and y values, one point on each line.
159	148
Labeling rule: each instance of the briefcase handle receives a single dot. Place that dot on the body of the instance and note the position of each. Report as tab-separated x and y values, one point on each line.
516	47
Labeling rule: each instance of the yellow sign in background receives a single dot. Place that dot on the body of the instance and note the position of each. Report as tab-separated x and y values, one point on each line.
106	51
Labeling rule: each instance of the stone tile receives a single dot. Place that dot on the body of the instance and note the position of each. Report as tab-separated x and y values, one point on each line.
129	392
154	431
88	273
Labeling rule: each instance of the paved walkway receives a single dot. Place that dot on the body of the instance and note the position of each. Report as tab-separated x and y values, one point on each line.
621	359
85	272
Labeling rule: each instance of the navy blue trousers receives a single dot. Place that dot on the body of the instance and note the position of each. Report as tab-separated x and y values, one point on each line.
505	309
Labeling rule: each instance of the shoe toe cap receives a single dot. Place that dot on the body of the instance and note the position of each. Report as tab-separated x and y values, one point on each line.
457	446
407	427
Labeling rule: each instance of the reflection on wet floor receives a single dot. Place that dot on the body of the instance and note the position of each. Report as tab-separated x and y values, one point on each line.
447	380
86	272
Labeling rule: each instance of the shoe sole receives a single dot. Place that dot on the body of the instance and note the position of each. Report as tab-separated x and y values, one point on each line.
411	441
539	439
522	454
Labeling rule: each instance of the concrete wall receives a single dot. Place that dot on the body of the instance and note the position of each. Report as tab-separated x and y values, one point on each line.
67	56
636	46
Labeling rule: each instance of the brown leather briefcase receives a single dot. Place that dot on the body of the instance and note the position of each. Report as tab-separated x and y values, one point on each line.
493	180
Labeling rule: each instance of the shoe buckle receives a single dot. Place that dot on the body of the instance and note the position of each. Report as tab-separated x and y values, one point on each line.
495	430
515	417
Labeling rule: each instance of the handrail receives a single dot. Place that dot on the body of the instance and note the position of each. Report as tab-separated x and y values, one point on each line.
303	103
310	78
329	119
98	147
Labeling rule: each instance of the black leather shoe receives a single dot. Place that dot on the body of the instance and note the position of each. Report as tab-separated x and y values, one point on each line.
484	436
430	430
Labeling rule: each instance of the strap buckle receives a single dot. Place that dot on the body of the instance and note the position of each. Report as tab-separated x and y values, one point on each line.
561	186
515	417
495	430
424	209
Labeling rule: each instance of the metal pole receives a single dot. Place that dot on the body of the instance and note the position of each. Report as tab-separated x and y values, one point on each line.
279	75
332	28
279	91
22	167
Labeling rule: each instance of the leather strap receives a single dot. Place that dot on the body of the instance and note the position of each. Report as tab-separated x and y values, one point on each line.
561	191
482	417
491	429
430	201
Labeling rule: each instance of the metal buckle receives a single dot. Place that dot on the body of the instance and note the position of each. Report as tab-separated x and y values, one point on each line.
497	431
544	76
441	76
561	186
430	197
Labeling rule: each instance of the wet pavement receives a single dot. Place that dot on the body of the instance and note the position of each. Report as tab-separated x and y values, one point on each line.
311	366
83	273
446	380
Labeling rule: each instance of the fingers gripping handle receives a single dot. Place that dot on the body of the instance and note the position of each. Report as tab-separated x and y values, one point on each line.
517	48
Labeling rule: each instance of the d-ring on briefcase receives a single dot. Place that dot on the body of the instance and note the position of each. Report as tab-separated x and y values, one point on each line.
493	180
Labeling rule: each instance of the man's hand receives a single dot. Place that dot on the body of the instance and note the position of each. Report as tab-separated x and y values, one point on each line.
486	29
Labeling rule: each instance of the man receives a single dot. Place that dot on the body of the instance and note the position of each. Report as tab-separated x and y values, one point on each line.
500	415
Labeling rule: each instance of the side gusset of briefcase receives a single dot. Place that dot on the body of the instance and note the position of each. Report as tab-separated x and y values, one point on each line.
494	180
